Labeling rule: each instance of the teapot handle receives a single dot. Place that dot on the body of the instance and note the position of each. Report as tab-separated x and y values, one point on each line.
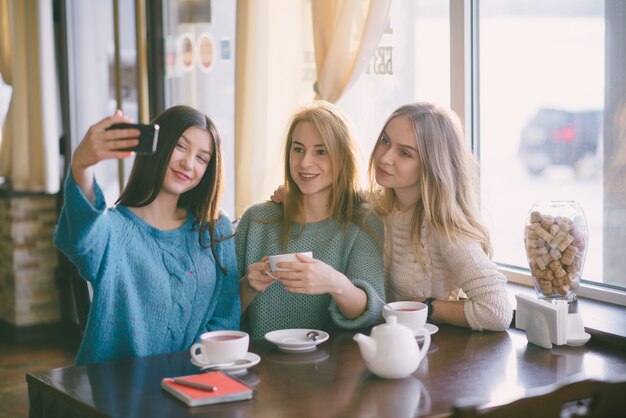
425	345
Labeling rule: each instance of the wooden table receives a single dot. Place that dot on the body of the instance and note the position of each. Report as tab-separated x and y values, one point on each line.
329	382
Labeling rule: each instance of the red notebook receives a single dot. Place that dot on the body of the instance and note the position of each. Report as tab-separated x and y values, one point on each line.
227	389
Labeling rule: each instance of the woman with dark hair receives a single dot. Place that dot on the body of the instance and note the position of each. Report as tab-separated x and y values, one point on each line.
323	212
162	261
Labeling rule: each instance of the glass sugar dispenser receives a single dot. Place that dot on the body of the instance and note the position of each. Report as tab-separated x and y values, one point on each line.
556	238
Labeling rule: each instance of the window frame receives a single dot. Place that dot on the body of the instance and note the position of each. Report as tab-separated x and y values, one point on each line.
465	94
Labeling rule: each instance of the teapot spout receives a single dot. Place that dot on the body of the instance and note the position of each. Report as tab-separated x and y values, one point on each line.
367	345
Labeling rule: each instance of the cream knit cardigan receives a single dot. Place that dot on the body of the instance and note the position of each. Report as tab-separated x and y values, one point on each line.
451	270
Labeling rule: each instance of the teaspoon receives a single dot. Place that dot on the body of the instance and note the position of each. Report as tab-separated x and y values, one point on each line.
312	335
384	303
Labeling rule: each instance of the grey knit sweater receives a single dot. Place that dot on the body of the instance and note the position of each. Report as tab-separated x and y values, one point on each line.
351	251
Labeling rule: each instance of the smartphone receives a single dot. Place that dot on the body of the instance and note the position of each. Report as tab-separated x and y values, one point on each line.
148	137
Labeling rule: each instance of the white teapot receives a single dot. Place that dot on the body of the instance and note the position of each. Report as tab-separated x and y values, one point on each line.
391	350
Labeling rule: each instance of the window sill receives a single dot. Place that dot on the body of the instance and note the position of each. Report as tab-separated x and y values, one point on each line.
605	322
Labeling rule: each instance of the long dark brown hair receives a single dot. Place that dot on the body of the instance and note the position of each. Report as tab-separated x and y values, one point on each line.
148	173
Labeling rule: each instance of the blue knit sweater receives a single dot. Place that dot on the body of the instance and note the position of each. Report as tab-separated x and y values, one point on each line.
153	291
351	251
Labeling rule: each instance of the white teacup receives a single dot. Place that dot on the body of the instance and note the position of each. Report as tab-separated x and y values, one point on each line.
275	259
409	313
217	347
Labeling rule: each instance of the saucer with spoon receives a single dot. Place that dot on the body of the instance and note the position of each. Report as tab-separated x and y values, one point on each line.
236	367
297	339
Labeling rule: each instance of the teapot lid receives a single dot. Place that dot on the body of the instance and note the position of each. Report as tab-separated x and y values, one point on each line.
391	326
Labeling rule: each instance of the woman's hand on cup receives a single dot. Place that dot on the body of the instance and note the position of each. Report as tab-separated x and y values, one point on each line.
309	276
100	144
258	277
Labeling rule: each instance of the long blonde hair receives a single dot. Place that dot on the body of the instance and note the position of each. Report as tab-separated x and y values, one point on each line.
335	132
448	177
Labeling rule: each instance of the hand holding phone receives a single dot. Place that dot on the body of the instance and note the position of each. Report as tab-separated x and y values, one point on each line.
148	137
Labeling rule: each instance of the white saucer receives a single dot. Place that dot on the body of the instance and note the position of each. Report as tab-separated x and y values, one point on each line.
579	340
285	357
431	328
253	359
295	340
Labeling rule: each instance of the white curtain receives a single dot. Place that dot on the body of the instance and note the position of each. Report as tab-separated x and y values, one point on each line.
346	33
283	47
275	72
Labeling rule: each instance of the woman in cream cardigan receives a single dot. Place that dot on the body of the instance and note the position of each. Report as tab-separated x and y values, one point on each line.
424	184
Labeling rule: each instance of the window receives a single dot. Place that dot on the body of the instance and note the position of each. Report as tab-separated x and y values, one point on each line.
199	38
549	121
91	76
539	68
412	63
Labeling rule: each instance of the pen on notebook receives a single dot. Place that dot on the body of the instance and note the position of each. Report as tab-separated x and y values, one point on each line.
195	385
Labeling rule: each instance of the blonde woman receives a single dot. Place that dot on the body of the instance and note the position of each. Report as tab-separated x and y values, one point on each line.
424	181
323	212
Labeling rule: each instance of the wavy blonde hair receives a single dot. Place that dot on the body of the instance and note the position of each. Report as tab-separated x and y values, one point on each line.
336	134
448	177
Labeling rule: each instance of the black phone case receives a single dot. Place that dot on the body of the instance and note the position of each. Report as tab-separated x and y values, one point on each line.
148	137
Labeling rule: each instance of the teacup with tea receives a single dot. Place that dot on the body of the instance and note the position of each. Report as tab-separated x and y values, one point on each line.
409	313
220	347
275	259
